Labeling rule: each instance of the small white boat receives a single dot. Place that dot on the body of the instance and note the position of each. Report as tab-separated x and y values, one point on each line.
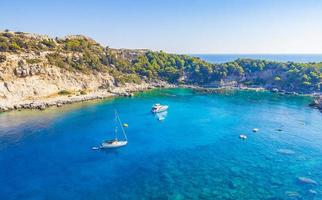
255	130
156	108
115	143
243	136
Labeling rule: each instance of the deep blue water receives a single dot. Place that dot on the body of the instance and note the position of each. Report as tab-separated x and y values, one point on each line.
195	153
221	58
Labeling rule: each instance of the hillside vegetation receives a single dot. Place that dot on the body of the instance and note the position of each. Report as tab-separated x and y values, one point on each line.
82	54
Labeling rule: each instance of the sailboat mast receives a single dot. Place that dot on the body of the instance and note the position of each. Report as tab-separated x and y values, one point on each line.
121	125
115	130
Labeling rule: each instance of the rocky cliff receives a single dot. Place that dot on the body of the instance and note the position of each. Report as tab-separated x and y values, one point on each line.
37	71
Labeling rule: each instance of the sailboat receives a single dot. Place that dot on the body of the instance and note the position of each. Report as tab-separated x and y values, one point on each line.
115	143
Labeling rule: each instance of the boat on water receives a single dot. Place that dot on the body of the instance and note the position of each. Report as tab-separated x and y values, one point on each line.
116	143
243	137
113	144
255	130
156	108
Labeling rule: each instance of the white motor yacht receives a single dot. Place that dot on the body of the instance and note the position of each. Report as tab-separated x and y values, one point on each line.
156	108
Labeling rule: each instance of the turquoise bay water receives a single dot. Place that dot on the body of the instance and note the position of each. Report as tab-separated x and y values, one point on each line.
195	153
222	58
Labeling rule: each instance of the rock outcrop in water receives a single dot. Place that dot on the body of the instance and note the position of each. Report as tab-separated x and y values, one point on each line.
317	102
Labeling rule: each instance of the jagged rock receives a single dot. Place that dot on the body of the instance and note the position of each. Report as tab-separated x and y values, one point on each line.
17	107
42	107
21	72
35	69
3	108
274	90
24	71
317	102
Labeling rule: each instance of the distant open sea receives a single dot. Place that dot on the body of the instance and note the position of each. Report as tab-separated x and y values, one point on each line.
221	58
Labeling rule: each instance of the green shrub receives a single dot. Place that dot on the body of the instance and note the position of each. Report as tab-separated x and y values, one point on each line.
74	45
4	46
64	92
82	92
57	60
277	78
33	61
306	83
130	78
48	43
14	47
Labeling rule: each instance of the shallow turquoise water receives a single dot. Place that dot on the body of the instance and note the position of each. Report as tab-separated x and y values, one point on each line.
195	153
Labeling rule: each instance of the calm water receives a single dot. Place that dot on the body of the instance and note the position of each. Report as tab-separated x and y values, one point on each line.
302	58
195	153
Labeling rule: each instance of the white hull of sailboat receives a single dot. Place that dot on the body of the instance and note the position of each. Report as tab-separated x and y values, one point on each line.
116	144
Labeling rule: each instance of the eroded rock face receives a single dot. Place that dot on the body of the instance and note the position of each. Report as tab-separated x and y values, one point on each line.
37	86
22	83
24	71
21	72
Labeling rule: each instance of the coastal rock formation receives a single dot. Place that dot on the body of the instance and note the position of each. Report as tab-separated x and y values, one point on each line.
28	71
40	86
37	69
317	102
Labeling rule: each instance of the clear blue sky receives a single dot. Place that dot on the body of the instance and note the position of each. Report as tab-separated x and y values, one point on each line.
180	26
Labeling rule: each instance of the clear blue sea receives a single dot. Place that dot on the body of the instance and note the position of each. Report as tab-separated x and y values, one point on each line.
195	153
221	58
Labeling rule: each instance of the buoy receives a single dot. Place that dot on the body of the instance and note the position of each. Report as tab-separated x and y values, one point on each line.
242	136
126	125
255	129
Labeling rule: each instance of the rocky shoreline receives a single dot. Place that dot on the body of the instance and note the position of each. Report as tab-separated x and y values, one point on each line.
128	90
316	103
58	101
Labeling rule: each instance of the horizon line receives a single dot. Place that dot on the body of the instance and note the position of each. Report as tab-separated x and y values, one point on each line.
155	49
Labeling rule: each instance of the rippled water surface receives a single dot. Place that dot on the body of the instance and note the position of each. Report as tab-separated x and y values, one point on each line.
195	153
